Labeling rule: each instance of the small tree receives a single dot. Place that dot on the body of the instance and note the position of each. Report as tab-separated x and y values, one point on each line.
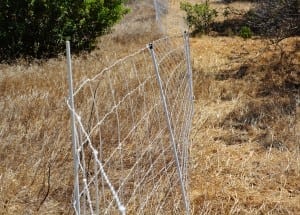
199	16
39	28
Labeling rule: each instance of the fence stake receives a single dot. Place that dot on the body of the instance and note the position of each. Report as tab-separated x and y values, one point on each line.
191	97
156	10
189	75
74	144
172	137
189	66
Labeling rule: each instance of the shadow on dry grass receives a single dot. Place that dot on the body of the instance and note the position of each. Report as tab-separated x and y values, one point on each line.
246	143
245	153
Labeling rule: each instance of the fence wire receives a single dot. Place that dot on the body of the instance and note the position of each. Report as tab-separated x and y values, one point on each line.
126	163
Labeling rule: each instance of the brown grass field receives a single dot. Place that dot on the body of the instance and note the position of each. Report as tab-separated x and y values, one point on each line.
245	152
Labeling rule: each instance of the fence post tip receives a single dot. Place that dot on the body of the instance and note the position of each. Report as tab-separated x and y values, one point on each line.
150	46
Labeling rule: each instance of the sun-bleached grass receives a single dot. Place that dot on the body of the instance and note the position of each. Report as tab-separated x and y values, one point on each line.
120	111
36	169
245	153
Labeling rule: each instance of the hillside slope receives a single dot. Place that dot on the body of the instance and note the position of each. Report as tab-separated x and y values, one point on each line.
245	153
246	136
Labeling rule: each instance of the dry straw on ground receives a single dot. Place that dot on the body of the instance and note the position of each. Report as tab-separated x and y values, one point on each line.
246	146
36	169
245	154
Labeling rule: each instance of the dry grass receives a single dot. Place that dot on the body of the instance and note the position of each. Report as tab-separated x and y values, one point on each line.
246	130
131	138
36	169
246	145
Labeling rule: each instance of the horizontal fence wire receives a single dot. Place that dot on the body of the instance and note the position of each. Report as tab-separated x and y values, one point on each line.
125	160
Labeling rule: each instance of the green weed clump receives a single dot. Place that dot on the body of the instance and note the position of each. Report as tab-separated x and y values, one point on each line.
245	32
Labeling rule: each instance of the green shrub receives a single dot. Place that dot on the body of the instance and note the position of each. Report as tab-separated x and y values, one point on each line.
199	16
39	28
245	32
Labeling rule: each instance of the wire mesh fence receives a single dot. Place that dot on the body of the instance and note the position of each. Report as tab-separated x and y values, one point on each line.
131	133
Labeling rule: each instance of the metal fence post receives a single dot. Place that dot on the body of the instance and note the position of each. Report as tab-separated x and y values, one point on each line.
74	147
188	124
189	66
172	136
189	75
156	10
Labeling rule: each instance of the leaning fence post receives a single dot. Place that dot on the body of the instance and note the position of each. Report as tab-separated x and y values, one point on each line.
156	10
189	66
172	136
74	144
189	74
191	98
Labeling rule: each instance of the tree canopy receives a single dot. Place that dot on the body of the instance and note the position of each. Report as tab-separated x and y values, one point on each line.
39	28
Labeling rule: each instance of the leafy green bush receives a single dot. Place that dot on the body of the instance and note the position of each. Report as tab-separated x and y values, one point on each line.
245	32
39	28
199	16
